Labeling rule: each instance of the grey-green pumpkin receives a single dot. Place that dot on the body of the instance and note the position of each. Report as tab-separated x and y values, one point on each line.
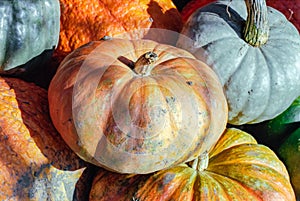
27	28
255	51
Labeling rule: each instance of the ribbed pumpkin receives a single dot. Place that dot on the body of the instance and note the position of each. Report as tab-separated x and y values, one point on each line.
85	21
237	168
27	28
255	51
35	162
133	106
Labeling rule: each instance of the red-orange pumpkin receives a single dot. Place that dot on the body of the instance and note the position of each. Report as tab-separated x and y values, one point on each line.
236	169
136	106
89	20
35	162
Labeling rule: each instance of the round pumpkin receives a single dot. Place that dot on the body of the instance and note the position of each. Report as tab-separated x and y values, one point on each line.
254	50
35	162
28	28
133	106
237	168
85	21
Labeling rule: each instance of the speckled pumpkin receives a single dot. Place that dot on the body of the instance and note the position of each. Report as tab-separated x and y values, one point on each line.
89	20
254	50
136	106
237	168
35	162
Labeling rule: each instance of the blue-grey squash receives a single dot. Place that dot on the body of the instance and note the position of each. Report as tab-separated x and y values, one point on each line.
254	50
27	28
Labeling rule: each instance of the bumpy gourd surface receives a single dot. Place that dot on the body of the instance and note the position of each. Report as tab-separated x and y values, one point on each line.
89	20
35	162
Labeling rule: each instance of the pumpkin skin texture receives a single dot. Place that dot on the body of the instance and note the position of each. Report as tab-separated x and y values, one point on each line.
136	120
27	29
36	164
255	77
85	21
238	169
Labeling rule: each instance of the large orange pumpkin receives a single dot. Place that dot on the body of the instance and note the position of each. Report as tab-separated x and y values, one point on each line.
136	106
35	162
236	169
89	20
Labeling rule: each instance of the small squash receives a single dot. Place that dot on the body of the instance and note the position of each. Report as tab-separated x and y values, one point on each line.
35	162
90	20
27	29
237	168
133	106
254	50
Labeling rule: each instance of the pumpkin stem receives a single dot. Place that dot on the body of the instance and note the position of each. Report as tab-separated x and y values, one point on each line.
201	163
144	64
256	31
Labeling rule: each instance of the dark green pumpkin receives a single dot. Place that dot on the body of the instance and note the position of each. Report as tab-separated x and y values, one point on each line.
27	28
289	152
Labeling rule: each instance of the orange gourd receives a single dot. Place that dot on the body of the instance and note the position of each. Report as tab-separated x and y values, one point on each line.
136	106
35	162
85	21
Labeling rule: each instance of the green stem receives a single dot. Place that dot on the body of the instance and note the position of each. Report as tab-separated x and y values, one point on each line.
256	31
145	63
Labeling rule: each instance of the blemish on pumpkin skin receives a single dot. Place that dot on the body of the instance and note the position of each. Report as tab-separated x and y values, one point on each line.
166	180
189	83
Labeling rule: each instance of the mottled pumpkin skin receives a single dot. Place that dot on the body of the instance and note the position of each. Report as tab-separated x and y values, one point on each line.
238	169
255	79
85	21
27	29
35	162
116	118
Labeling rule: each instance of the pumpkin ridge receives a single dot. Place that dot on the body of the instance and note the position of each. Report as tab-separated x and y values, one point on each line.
266	179
267	96
259	149
157	180
218	177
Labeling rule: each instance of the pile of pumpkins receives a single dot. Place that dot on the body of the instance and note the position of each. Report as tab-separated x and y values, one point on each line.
137	101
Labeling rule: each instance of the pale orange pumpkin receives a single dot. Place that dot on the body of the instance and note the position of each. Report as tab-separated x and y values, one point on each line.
237	168
136	106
